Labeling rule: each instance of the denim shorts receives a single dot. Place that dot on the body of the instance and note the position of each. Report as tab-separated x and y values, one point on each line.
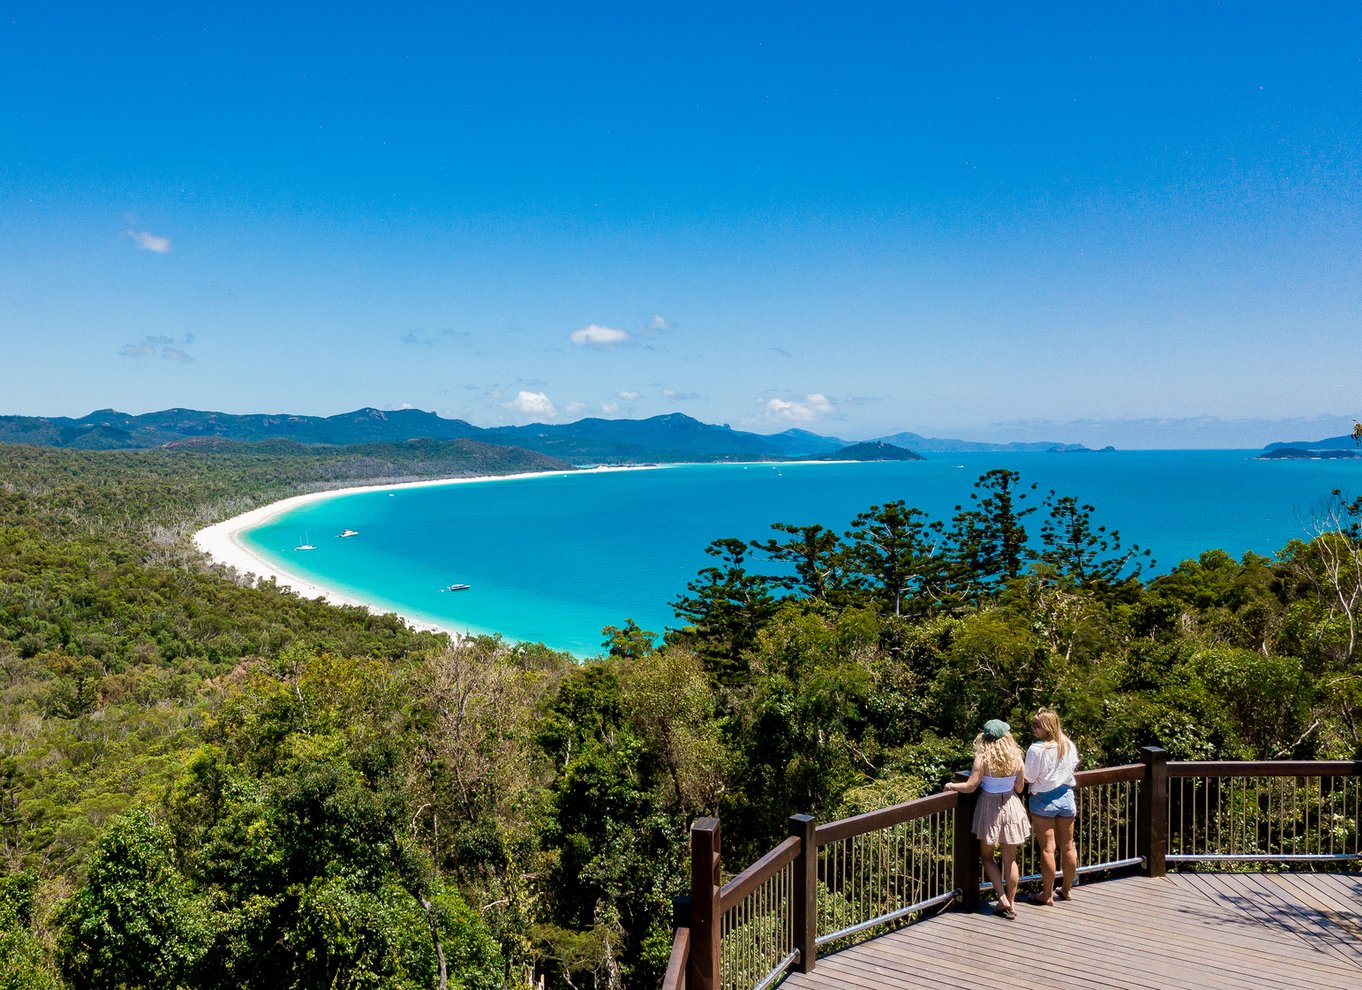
1058	803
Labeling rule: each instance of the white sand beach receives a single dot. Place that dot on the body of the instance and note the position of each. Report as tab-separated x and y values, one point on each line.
222	543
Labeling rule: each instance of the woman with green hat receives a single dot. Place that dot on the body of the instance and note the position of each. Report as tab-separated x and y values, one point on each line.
1000	820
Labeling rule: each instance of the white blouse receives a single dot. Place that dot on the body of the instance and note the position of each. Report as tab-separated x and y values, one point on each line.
1046	769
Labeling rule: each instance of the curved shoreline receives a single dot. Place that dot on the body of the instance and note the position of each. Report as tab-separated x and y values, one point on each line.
222	541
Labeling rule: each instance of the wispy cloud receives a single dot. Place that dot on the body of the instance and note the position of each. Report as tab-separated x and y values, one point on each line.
148	241
598	336
154	345
627	395
423	339
811	407
532	404
676	395
659	323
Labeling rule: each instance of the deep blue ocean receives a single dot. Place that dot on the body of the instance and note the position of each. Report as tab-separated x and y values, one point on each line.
555	559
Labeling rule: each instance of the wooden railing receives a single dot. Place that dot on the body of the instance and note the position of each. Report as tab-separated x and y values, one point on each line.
852	879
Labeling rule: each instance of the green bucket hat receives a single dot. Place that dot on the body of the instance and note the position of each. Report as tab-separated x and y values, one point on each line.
996	728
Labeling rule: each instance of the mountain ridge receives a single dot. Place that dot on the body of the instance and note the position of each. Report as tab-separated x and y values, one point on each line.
667	437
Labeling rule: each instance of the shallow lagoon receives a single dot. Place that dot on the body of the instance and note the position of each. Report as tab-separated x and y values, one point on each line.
557	558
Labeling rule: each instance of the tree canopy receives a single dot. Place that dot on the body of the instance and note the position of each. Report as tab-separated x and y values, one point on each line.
207	781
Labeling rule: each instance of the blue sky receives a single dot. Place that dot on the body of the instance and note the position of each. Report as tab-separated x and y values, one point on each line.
1135	224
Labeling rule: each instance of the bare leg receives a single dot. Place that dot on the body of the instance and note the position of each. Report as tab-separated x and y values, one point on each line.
1011	872
988	853
1063	837
1046	829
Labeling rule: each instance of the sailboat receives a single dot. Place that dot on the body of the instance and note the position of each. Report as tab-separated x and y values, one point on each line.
305	545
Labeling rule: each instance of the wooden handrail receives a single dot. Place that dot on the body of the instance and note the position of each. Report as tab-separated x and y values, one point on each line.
1109	775
675	977
870	821
759	872
1266	768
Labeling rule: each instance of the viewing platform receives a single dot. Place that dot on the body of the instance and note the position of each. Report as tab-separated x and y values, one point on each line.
1199	931
1213	875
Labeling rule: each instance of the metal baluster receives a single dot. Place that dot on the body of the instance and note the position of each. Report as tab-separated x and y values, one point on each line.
841	885
1205	814
1230	814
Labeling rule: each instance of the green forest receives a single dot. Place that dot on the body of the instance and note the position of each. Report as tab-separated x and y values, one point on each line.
211	782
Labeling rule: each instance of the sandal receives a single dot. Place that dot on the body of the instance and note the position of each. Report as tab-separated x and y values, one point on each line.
1031	898
1004	912
1063	896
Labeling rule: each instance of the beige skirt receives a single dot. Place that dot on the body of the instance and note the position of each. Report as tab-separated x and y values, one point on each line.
1000	818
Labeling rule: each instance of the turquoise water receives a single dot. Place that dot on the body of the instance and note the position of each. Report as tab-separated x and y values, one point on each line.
554	559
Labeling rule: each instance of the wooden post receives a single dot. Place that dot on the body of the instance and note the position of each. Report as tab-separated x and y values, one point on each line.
681	912
966	852
1154	810
702	970
805	892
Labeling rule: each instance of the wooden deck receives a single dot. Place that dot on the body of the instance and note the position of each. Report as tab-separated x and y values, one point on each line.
1207	931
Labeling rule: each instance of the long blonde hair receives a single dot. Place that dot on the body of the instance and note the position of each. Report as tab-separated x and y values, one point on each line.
1054	732
999	757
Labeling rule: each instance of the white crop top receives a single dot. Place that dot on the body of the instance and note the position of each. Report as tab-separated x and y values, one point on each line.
998	785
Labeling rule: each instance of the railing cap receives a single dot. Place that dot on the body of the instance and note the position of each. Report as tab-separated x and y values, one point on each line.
681	911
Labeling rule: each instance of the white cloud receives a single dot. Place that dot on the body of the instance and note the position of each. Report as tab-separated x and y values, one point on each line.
610	408
573	408
804	410
154	344
532	403
659	323
627	395
598	336
150	242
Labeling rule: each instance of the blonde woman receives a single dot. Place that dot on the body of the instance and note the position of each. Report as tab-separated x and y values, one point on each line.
999	818
1050	764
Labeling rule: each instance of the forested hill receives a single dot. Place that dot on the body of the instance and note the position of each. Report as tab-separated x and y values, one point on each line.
662	438
669	438
210	783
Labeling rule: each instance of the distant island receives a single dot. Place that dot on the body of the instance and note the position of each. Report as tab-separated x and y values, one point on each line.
871	450
1309	454
1341	448
670	438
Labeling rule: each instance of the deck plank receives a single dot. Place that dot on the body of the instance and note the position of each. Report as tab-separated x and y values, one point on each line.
1192	931
1276	901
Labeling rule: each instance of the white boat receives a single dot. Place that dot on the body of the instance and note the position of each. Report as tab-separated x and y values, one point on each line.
305	545
457	587
348	532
